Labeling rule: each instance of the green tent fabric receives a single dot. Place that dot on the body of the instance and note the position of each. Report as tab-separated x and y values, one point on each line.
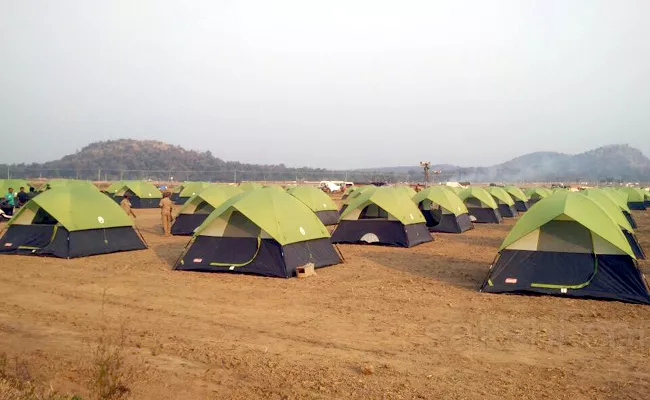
144	190
250	186
610	207
409	191
349	190
214	196
480	194
356	192
456	189
280	215
537	193
500	195
634	195
516	193
190	189
396	203
570	206
622	196
444	197
314	198
117	185
621	201
76	208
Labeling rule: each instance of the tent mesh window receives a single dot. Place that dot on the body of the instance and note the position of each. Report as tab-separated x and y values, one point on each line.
473	202
565	237
42	217
203	208
240	226
373	211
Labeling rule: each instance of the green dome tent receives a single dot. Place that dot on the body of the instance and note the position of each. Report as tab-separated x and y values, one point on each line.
187	190
141	194
536	194
317	201
246	186
481	205
70	221
614	211
504	201
443	210
567	245
198	207
621	202
635	198
520	198
263	232
382	215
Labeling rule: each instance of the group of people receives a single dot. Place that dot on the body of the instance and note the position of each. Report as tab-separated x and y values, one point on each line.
12	200
166	207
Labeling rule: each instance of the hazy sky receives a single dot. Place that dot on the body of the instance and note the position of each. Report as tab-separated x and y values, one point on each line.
326	83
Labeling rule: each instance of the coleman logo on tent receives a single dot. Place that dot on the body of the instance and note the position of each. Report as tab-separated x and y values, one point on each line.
511	280
197	260
8	244
100	220
302	231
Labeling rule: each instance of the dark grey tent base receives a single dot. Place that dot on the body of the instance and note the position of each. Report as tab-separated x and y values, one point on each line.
485	215
330	217
392	233
630	219
507	211
637	205
44	240
271	259
137	202
447	223
611	277
634	244
521	206
184	224
181	200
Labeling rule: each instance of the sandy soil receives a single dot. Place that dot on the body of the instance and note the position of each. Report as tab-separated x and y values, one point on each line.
388	324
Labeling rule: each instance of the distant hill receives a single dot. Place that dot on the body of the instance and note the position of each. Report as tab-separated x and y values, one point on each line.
615	162
141	159
138	159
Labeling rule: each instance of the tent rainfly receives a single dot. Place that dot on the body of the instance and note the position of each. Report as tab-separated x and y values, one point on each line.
504	201
520	198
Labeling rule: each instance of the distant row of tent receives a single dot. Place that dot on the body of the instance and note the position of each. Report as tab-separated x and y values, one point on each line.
575	244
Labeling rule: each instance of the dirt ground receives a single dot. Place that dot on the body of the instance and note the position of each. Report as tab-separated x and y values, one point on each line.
390	323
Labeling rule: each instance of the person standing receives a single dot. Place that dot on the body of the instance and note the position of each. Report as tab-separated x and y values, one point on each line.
166	207
23	198
126	206
9	202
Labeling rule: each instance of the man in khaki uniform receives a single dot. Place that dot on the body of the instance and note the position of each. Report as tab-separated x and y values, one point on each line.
166	207
126	206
